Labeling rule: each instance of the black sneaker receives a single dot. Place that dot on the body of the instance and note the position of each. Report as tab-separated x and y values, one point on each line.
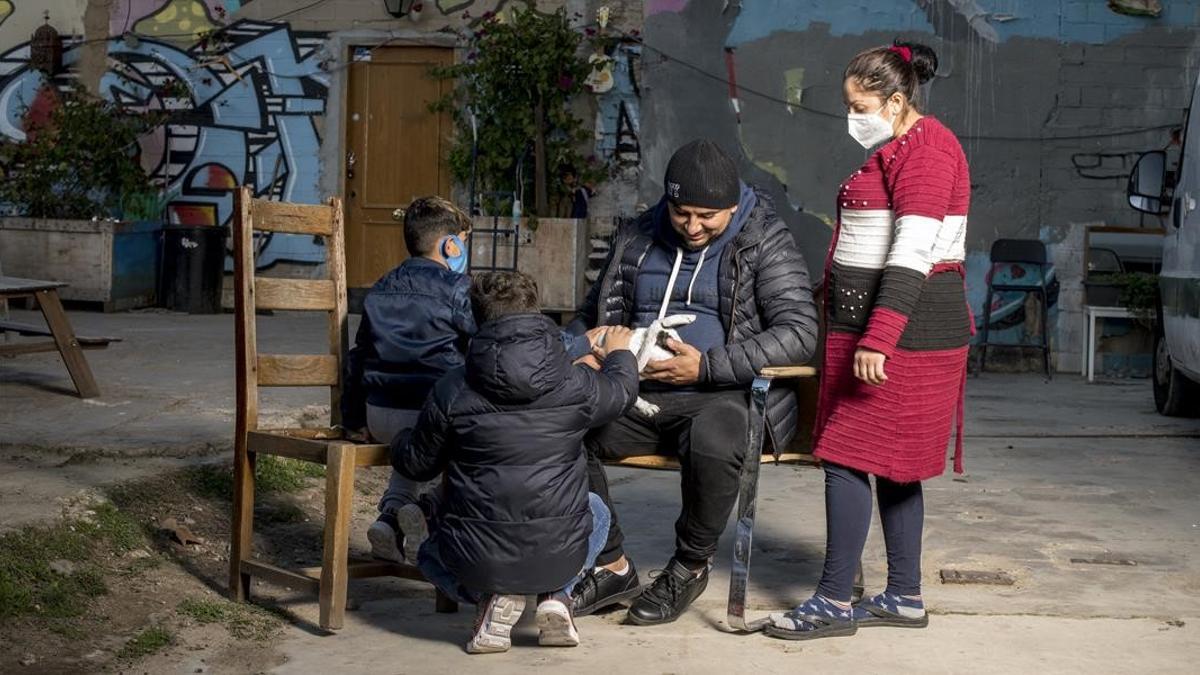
600	588
673	591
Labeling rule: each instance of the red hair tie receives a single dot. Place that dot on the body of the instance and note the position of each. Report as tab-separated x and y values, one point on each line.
904	52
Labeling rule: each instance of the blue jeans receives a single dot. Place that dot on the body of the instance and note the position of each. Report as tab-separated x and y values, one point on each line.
431	565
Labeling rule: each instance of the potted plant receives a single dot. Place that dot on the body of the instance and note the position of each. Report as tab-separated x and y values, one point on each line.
1135	291
85	212
512	104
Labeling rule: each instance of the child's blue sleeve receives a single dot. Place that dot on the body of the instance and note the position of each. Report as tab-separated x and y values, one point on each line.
577	346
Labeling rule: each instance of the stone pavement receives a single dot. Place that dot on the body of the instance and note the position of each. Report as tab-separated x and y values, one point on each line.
1057	472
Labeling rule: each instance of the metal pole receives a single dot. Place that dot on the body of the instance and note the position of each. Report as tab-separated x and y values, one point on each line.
471	208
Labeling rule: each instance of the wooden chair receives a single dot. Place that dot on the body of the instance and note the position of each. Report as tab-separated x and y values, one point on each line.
325	446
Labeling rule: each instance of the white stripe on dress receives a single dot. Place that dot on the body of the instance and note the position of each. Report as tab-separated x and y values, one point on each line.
951	241
913	245
865	238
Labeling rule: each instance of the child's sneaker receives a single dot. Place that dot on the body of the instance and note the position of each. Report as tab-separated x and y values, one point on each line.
411	520
494	621
556	625
385	536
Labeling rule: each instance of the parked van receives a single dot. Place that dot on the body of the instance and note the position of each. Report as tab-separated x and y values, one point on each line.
1175	195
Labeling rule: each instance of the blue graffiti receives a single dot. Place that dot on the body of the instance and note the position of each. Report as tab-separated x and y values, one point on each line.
618	115
245	118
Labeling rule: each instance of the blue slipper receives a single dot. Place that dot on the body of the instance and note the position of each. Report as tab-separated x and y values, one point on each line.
890	609
815	618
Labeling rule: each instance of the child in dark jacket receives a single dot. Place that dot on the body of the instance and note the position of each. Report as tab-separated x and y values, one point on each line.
516	517
416	323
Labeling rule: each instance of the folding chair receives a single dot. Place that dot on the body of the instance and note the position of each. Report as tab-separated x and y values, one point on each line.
1027	252
326	446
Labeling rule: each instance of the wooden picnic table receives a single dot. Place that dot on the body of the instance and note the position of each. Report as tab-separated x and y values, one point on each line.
65	341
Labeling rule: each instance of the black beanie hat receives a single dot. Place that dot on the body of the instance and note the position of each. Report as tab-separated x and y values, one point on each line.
701	174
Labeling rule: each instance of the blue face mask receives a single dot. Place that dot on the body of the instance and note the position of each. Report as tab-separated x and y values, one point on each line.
457	263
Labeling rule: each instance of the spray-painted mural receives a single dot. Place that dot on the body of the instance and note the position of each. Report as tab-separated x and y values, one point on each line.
1010	323
174	20
243	115
618	115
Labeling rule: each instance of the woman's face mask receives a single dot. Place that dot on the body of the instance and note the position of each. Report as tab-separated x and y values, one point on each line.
870	129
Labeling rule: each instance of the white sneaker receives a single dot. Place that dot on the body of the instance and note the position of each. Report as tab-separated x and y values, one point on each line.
494	622
384	538
412	523
556	625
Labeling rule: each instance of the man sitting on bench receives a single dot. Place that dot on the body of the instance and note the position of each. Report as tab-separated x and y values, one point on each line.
715	248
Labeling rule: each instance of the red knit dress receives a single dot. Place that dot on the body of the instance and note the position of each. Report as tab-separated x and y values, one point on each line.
894	284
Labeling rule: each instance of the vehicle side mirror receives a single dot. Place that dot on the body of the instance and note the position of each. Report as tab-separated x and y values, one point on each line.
1147	183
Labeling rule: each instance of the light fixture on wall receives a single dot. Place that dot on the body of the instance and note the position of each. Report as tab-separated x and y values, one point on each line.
410	8
46	49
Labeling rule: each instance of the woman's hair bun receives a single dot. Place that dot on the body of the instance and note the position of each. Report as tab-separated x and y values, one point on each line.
924	60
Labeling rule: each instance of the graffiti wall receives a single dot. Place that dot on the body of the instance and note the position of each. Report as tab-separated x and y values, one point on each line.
618	115
247	83
243	106
1053	101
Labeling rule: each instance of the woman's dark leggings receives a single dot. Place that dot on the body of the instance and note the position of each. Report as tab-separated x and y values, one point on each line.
847	519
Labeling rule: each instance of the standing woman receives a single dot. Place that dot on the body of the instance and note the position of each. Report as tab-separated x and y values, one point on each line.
896	341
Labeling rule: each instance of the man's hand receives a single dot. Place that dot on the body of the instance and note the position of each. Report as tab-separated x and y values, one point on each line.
868	366
683	369
590	361
594	335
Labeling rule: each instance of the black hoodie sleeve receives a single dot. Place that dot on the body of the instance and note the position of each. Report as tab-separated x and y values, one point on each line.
783	298
354	392
616	387
420	453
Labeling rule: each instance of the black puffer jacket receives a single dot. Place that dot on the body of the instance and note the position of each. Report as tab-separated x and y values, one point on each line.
508	431
415	326
766	304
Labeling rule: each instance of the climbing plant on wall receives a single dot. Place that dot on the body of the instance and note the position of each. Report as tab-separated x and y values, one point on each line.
519	77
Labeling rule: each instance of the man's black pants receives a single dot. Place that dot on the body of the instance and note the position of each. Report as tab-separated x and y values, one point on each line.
707	431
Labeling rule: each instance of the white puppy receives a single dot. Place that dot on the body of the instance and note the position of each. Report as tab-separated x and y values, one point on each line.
650	344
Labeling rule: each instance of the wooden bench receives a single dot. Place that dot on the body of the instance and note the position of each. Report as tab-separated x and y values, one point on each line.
739	577
68	345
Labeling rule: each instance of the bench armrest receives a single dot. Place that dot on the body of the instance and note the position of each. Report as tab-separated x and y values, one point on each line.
788	371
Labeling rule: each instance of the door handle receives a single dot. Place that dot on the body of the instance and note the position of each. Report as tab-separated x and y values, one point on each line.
351	160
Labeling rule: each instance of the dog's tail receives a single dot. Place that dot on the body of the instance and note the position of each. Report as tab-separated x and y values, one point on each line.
677	320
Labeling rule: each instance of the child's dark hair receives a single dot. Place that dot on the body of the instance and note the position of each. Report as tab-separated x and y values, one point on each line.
497	294
428	219
886	70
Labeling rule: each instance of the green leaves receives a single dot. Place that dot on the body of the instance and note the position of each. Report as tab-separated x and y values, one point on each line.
80	164
510	67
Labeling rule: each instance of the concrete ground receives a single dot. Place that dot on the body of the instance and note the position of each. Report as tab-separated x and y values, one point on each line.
1082	493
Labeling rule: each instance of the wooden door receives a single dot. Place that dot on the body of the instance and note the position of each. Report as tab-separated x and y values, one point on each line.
396	152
